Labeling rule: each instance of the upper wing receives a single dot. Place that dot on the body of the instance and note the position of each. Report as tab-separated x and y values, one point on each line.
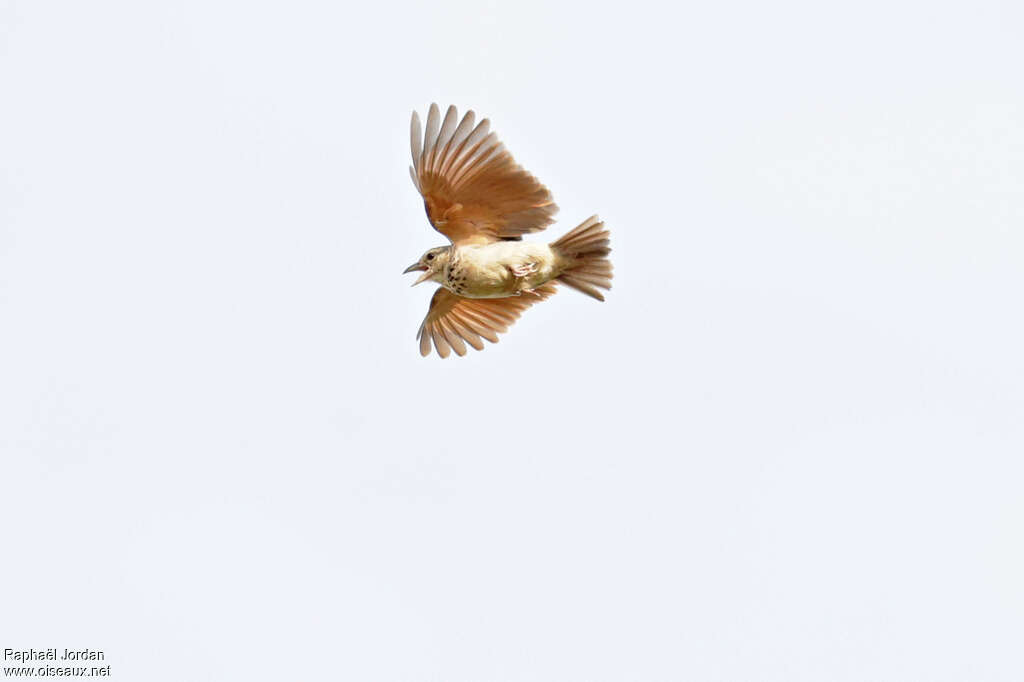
472	188
452	321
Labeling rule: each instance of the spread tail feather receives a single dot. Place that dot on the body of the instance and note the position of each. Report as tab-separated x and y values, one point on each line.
584	251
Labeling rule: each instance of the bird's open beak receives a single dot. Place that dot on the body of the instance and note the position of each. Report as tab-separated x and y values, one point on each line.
423	278
419	266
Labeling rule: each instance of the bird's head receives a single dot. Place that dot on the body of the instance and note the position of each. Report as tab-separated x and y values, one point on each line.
431	264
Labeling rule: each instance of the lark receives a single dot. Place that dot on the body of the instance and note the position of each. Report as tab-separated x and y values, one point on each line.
477	196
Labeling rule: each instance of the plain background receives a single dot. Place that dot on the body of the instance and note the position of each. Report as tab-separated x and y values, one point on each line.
788	446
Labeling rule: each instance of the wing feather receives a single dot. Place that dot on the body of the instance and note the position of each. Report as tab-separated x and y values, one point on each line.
416	134
462	154
452	321
443	138
460	136
478	327
471	337
472	188
424	343
440	343
453	339
430	137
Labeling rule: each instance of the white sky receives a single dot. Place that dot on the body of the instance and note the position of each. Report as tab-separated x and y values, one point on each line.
788	446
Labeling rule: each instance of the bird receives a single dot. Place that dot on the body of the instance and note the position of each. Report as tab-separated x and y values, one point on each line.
477	196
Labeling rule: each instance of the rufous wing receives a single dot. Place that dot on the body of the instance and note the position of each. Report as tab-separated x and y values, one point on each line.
453	321
472	188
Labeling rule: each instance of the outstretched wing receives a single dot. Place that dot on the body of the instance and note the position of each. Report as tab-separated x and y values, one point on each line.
472	188
452	321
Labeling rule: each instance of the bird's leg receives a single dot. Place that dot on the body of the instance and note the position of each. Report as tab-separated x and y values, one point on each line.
521	272
518	272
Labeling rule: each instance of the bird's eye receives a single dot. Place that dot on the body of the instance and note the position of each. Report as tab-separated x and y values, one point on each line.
430	256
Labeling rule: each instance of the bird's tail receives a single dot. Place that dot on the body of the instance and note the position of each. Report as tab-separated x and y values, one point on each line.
584	254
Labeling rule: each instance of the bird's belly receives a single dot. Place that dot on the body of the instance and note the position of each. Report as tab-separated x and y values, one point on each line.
498	272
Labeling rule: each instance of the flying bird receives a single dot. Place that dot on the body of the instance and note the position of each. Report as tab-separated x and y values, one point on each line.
477	196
